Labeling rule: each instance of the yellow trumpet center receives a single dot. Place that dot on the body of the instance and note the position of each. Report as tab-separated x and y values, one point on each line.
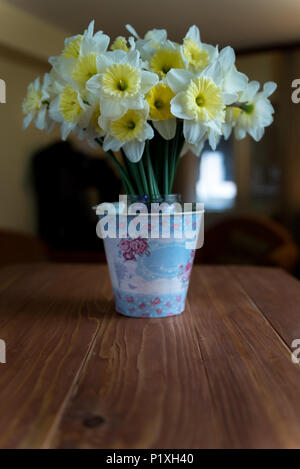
163	60
69	104
128	127
32	102
203	99
159	99
120	43
85	68
72	50
196	56
121	80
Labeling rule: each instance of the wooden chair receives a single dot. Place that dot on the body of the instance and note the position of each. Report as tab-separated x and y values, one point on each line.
252	240
16	248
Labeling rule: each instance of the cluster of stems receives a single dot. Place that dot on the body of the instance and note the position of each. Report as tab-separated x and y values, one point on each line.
153	175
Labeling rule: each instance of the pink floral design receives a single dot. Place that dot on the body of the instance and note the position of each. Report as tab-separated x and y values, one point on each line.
139	246
124	245
142	305
132	310
129	299
168	304
178	298
129	256
131	248
155	302
187	271
159	311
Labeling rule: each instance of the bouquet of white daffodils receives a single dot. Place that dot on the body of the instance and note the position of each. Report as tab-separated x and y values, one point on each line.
149	99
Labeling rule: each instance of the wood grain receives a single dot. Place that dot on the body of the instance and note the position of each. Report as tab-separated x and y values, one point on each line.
80	376
48	320
277	297
146	382
253	382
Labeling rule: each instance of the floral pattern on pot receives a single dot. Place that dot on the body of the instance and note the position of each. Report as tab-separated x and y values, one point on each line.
145	306
131	248
150	276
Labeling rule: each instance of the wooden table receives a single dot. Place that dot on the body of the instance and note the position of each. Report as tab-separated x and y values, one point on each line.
78	375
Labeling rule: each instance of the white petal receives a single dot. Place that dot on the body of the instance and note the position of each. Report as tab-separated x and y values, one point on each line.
66	129
132	31
102	41
227	58
194	34
37	83
133	58
256	133
149	79
134	102
269	88
178	106
214	72
27	120
156	35
193	131
112	108
104	61
251	90
178	79
94	83
235	81
90	30
166	128
111	143
213	138
54	110
148	132
229	98
41	118
197	148
134	150
131	43
239	133
227	129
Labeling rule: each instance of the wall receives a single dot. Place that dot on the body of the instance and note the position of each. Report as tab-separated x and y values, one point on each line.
25	44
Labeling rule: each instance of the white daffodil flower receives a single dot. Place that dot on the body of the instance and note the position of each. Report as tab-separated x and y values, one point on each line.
70	108
92	131
197	54
255	113
199	101
120	43
152	40
129	133
36	104
77	63
233	81
195	149
159	99
120	82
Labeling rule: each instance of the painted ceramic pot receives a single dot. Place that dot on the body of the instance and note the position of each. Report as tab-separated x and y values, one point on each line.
150	275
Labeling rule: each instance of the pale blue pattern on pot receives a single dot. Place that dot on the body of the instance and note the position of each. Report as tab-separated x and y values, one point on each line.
148	306
150	276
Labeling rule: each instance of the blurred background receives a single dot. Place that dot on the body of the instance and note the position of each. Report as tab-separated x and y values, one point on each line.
251	190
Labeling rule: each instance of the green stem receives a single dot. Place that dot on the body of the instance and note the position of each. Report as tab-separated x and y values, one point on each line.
166	168
124	176
154	190
143	177
178	144
132	169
